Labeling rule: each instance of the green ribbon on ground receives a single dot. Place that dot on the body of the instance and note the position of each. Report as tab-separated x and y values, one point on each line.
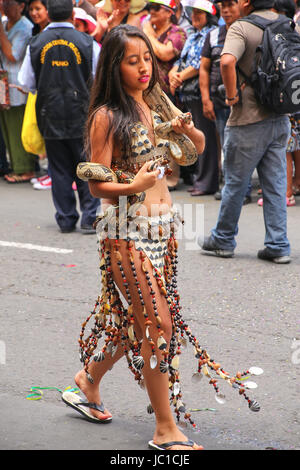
201	409
37	392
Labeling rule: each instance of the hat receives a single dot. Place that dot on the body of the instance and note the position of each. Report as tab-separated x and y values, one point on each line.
135	6
171	4
82	15
204	5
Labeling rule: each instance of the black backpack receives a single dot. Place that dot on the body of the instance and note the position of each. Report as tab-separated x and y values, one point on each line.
276	69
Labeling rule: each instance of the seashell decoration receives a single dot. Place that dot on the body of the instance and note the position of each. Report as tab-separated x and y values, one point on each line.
142	384
131	334
90	378
150	410
116	319
180	406
176	388
220	398
153	361
100	356
147	333
161	343
175	362
196	377
254	405
163	367
256	370
138	362
82	357
250	385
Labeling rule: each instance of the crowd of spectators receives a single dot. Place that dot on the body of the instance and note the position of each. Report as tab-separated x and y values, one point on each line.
187	39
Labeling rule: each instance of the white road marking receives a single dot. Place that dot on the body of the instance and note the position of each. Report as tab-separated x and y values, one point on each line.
29	246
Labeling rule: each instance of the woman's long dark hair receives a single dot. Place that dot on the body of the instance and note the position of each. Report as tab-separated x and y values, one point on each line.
107	89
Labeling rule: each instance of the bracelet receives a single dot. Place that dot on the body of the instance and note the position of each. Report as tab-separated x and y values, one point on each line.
232	99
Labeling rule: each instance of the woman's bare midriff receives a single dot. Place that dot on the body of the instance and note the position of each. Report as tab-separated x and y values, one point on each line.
157	201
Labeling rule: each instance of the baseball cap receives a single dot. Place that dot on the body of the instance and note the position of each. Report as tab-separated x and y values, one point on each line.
82	15
166	3
204	5
135	6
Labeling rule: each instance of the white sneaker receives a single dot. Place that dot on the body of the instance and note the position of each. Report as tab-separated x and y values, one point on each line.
38	180
45	184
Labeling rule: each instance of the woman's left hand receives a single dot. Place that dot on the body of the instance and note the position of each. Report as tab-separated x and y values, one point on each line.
181	127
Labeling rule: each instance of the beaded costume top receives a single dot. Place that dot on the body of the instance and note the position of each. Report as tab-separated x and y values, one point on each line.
142	149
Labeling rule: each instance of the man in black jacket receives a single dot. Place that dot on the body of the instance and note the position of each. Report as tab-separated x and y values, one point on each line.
59	64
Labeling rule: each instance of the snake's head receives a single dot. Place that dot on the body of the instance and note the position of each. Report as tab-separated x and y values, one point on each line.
185	118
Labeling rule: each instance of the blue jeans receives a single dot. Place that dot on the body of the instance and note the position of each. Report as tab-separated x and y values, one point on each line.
262	146
222	116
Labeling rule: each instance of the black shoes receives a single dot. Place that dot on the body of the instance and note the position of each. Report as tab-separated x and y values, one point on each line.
247	200
266	255
85	229
88	230
210	245
67	229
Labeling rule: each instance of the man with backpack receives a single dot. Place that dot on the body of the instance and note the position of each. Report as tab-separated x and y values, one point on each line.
256	136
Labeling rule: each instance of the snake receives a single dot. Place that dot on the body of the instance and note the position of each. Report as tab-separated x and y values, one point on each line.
182	149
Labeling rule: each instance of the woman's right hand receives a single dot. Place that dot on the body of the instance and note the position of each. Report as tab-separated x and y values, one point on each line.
144	179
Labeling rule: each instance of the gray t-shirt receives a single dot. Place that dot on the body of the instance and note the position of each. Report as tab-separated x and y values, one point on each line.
241	41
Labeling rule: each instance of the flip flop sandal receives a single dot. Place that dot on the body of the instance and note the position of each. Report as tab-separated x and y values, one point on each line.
73	400
165	445
16	179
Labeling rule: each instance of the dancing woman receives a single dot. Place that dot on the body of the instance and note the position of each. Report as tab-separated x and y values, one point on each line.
132	127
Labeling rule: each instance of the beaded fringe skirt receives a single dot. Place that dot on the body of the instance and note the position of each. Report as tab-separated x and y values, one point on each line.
154	238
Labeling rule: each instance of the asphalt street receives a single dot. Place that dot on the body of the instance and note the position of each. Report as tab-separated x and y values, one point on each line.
244	311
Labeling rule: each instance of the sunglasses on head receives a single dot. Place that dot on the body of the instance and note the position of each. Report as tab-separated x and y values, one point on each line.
155	7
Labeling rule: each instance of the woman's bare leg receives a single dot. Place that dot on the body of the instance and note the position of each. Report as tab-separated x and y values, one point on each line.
97	370
157	383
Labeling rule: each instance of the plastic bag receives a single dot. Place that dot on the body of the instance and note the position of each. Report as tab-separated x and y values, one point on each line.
32	139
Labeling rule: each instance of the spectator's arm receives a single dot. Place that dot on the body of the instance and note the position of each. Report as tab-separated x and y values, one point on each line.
96	53
204	83
164	52
228	72
188	72
26	75
5	45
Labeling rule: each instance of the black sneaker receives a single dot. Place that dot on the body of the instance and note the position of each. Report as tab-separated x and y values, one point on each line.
88	230
265	254
67	229
247	200
210	245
